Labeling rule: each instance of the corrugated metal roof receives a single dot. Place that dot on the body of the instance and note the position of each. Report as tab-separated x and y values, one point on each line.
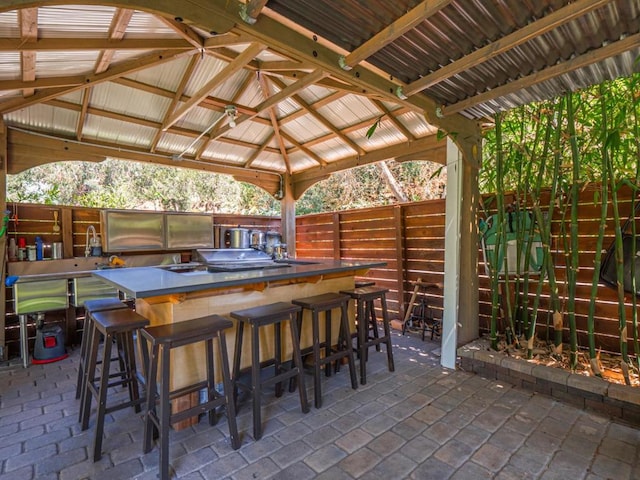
132	83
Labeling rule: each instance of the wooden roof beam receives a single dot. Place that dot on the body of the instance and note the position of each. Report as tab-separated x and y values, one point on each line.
534	29
234	66
116	71
83	44
185	31
326	123
243	88
194	62
581	61
431	146
259	150
28	149
273	100
28	20
266	92
117	29
250	11
404	130
392	31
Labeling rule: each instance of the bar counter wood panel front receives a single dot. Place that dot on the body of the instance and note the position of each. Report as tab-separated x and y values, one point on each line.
166	297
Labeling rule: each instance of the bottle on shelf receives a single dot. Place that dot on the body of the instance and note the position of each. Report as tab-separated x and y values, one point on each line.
39	248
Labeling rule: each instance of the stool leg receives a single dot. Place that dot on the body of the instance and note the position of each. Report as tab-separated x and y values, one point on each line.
130	369
327	338
256	386
317	392
211	384
344	324
297	361
165	412
89	376
362	339
374	324
102	397
237	353
152	375
228	392
277	354
82	366
387	333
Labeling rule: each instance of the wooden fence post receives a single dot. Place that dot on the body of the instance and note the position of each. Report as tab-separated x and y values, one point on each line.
398	220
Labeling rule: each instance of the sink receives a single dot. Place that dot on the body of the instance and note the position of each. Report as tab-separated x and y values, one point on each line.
186	268
296	262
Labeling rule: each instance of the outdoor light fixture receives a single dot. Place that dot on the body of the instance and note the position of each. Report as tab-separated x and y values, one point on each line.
230	112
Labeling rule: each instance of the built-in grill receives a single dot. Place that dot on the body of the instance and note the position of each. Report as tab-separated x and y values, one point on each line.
235	259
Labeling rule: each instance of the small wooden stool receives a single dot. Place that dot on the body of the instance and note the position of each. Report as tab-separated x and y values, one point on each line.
366	319
90	307
273	314
162	339
120	323
325	303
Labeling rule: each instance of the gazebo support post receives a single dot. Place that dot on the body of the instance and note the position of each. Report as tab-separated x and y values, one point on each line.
460	318
288	213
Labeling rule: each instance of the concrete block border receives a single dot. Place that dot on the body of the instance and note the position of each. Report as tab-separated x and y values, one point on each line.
590	393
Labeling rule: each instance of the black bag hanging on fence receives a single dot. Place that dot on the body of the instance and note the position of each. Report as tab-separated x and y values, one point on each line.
608	273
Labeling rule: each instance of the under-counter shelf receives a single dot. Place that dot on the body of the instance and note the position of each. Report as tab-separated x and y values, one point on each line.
90	288
40	296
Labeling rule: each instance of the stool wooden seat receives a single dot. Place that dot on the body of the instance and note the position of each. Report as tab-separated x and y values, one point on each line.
325	303
273	314
364	283
120	323
366	321
158	416
91	306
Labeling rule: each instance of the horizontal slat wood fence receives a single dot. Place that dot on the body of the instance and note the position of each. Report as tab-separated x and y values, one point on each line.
409	238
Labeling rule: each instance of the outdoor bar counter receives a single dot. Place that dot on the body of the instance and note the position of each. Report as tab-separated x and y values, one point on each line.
164	296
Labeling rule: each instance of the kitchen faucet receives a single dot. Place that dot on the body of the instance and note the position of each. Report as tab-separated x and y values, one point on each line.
87	248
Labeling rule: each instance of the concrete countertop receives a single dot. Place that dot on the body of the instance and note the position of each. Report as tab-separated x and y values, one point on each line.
147	282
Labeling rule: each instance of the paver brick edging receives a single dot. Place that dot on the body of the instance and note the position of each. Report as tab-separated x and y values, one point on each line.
592	393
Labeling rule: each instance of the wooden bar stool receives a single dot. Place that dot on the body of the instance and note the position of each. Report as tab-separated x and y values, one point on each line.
325	303
122	323
367	322
273	314
158	417
90	307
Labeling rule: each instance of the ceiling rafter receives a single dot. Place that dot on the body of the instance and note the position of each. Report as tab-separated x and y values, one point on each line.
156	58
283	94
186	76
185	31
611	50
534	29
250	11
304	149
143	122
266	92
397	123
311	110
393	31
117	30
28	19
82	117
259	150
243	88
234	66
83	44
